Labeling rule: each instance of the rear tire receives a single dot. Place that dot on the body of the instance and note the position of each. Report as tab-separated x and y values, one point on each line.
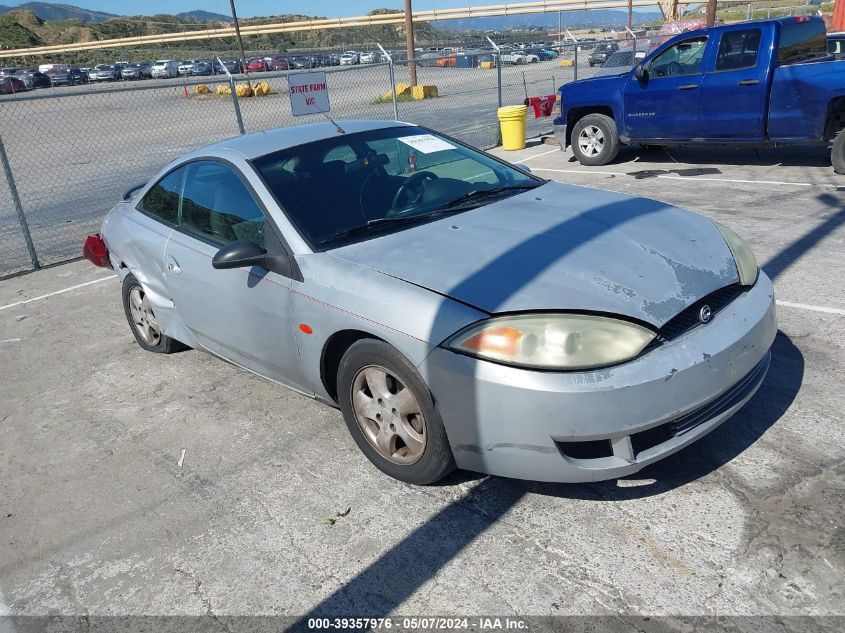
142	321
837	153
595	140
391	415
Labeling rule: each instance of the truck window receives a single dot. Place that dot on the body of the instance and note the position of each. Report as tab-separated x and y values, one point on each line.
682	58
801	40
738	49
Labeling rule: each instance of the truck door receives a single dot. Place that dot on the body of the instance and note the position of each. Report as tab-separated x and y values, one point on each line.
666	104
733	91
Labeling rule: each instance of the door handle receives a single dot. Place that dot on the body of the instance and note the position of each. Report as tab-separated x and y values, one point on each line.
173	266
688	87
749	82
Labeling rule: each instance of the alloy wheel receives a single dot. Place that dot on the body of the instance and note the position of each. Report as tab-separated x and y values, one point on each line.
143	317
389	415
591	141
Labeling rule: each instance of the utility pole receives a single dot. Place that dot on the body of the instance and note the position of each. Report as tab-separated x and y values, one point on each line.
240	41
409	43
711	12
630	14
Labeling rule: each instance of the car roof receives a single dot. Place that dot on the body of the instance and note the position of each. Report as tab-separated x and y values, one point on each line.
260	143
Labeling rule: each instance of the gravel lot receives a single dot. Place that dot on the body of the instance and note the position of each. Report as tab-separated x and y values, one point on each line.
99	517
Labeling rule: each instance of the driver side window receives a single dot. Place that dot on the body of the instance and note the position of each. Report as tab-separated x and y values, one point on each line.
682	58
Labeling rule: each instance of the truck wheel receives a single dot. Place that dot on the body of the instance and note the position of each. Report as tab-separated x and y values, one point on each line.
595	140
837	153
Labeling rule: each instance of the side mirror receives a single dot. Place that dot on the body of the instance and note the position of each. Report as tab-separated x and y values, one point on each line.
641	73
238	254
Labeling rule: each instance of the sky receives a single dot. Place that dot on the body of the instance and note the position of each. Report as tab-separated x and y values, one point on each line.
250	8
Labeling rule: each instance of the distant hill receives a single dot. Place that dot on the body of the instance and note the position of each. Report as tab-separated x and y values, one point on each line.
23	28
205	16
52	11
569	19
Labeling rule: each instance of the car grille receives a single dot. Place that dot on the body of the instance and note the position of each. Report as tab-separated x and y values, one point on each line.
688	319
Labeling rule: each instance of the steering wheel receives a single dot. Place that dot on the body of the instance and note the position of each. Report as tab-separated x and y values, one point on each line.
673	68
412	189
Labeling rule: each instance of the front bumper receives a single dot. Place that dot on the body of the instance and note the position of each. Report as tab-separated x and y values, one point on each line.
560	135
590	426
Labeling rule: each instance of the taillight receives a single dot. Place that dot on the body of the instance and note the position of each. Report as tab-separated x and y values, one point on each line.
802	18
95	251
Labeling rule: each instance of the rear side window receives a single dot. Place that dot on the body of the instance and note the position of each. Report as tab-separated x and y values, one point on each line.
801	41
738	49
218	207
162	201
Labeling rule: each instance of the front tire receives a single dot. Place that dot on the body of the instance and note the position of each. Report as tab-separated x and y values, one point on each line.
391	415
142	321
837	153
595	140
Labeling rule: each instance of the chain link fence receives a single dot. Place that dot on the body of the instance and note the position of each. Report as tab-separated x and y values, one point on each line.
70	153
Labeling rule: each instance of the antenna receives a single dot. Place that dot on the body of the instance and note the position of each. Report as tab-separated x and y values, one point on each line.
339	129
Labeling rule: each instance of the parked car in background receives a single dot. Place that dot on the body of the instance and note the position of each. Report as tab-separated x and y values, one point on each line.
302	61
76	76
104	72
164	69
58	77
367	57
280	62
767	82
43	68
620	62
349	58
234	66
257	65
186	66
601	52
11	85
390	303
8	72
137	70
25	76
514	57
207	67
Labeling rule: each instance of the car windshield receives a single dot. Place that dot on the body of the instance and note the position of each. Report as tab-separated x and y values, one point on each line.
357	185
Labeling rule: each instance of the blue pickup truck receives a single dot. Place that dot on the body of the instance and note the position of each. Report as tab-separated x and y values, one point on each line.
770	82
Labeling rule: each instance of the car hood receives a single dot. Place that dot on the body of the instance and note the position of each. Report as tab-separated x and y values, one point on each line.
561	247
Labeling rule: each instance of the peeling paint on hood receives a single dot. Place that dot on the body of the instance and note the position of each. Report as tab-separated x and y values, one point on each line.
561	247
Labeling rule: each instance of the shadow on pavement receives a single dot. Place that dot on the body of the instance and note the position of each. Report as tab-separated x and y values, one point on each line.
791	253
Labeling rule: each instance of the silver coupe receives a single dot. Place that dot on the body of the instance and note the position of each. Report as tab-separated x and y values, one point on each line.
459	310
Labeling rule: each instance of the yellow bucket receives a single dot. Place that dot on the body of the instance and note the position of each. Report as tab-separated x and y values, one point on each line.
512	122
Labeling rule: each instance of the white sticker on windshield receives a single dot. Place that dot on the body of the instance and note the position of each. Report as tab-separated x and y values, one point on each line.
426	143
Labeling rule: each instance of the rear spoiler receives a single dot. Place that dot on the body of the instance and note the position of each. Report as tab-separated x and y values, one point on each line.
132	189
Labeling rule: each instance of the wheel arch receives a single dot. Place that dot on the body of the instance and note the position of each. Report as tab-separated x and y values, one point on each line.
333	350
834	118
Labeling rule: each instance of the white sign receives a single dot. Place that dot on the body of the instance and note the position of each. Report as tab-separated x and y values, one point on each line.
309	93
426	143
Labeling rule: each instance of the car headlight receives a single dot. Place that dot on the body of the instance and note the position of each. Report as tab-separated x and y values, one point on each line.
746	263
553	341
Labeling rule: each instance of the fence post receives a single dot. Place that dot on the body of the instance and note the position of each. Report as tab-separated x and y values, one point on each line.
16	199
498	56
392	81
575	63
235	101
237	105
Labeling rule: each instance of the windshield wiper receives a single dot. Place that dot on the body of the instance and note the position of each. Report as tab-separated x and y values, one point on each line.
481	194
454	206
396	220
